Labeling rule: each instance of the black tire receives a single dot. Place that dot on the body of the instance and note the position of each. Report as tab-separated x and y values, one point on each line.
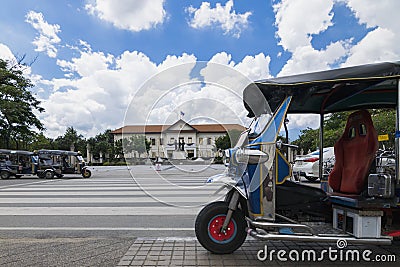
86	173
214	242
312	178
49	175
4	175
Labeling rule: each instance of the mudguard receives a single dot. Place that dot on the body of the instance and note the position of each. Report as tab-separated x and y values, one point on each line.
228	182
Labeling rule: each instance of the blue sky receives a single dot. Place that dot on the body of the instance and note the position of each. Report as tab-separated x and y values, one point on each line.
94	56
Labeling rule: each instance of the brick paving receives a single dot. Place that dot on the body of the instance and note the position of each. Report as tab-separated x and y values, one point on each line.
188	252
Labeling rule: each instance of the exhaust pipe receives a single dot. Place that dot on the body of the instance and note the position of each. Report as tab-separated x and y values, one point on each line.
262	225
319	238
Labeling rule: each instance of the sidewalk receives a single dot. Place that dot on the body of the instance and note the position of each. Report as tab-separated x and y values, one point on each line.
188	252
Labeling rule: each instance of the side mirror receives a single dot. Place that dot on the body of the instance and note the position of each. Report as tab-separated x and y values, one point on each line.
251	156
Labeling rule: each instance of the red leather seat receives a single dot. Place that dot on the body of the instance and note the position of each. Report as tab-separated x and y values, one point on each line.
354	153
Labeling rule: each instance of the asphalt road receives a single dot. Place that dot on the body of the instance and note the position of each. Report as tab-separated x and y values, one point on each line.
114	202
87	222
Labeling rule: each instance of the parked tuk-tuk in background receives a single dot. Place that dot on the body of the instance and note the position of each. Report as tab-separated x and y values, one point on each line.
46	166
15	163
358	200
68	162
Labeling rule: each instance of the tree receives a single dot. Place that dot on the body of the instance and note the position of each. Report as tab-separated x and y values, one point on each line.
118	149
228	140
40	141
308	139
384	123
102	144
134	143
140	144
71	138
17	106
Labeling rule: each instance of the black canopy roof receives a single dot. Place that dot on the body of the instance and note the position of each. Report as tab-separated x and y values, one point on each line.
359	87
18	152
57	152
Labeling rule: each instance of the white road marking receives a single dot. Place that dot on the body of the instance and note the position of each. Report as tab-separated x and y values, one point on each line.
99	188
98	211
174	199
139	192
25	184
93	229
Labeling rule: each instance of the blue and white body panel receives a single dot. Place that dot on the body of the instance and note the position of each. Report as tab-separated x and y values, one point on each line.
255	181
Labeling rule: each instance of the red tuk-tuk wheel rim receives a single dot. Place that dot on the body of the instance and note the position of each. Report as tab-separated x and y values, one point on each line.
214	229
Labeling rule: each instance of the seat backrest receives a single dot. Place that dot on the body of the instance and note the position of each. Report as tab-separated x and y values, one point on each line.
354	154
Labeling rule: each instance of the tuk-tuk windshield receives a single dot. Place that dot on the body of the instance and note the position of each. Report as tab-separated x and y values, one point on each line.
259	124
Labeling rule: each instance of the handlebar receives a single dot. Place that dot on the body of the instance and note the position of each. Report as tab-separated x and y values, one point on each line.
280	144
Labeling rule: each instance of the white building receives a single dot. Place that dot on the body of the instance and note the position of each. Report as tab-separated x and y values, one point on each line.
179	140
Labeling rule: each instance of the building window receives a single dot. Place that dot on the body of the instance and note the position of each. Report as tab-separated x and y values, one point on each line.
153	141
209	141
161	141
200	140
190	140
172	140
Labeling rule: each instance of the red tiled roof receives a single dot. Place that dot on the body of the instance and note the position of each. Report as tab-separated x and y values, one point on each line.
140	129
218	128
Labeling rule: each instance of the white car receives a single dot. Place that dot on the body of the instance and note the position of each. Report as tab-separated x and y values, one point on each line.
308	165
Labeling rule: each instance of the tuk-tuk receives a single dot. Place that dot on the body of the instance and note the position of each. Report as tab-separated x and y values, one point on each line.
14	163
358	200
69	162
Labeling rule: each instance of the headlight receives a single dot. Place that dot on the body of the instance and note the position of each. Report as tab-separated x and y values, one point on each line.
241	156
250	156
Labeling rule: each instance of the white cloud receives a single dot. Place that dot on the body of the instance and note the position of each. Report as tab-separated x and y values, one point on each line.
5	53
255	68
298	20
48	37
133	15
297	23
221	16
376	13
89	62
381	43
308	59
303	121
378	45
